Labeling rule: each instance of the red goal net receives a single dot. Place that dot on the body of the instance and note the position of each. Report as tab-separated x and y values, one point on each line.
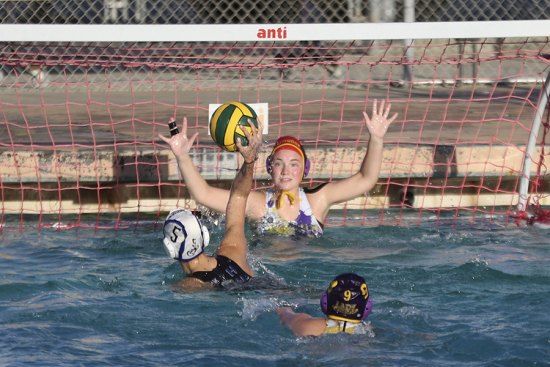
79	123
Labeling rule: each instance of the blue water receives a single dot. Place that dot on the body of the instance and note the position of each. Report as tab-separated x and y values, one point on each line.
465	295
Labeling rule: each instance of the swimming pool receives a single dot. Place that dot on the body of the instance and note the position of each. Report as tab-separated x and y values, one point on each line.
468	295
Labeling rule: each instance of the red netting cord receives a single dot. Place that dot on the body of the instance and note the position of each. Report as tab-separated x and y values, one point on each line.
540	215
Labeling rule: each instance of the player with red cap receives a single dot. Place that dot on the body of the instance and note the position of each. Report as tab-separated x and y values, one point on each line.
286	208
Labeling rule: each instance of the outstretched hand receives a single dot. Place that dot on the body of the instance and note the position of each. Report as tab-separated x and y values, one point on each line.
180	143
250	152
378	124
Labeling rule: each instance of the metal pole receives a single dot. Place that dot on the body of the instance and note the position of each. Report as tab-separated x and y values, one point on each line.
409	17
524	181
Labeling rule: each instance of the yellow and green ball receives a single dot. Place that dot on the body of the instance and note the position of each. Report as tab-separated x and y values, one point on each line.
224	124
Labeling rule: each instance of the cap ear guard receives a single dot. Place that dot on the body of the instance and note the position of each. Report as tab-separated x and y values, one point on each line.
324	302
368	308
184	235
307	165
205	235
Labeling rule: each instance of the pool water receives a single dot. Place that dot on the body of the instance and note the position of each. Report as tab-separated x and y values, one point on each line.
463	295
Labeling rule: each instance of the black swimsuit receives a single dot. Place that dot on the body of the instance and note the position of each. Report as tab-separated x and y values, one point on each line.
226	270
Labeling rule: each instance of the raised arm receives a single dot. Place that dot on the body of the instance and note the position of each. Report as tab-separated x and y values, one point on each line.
234	244
242	184
367	176
209	196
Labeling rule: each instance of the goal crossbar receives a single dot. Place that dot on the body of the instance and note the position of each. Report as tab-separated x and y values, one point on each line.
271	32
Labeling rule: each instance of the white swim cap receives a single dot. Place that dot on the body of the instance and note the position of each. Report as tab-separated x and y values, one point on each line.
184	236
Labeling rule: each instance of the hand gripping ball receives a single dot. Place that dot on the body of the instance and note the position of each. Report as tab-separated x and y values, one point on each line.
224	124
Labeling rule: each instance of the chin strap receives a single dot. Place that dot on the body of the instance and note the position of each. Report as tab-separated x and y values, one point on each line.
282	194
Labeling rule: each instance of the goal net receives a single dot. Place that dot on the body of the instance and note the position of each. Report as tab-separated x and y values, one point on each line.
81	108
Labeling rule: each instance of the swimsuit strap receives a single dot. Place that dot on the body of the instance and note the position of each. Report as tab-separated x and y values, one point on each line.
225	270
304	202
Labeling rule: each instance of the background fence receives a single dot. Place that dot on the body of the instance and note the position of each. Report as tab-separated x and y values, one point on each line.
273	11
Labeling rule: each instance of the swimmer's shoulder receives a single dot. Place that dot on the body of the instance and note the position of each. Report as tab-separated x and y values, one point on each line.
255	206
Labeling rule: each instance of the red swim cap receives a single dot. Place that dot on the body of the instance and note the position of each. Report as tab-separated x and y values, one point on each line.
291	143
